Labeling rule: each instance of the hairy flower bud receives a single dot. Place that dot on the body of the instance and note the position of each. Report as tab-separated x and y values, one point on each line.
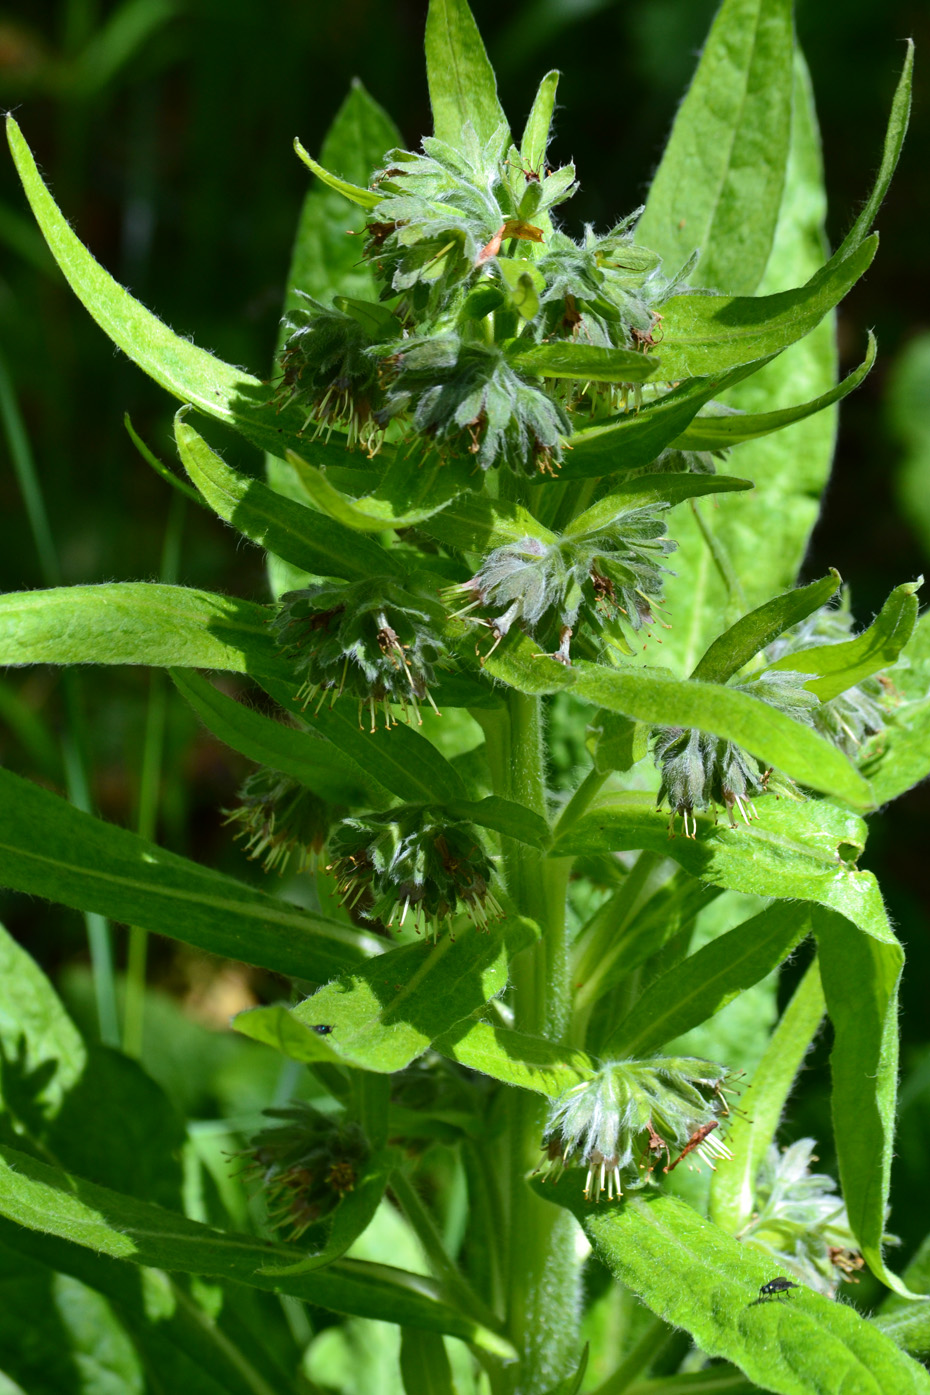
279	818
413	861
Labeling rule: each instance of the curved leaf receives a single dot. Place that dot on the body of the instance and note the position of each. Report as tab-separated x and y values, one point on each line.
693	1275
877	648
476	523
536	132
584	362
894	140
365	198
373	513
139	622
299	535
48	848
650	489
719	185
742	641
59	1203
531	1063
720	433
699	986
462	86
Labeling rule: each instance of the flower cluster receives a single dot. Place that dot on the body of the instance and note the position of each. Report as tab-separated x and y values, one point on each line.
801	1221
278	817
370	639
305	1165
621	1123
611	579
413	861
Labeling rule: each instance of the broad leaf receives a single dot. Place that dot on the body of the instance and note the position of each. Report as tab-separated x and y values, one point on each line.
742	641
584	362
316	763
532	1063
719	185
476	523
388	1012
751	1133
138	622
877	648
699	986
722	432
59	1203
904	1321
48	848
647	490
462	86
695	1276
899	757
771	736
300	535
504	816
373	513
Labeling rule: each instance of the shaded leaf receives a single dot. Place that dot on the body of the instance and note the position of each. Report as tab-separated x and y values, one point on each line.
742	641
532	1063
424	1364
477	523
584	362
373	513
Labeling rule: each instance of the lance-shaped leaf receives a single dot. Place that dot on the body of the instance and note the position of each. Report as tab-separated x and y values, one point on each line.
650	489
316	763
904	1321
719	186
301	536
693	1275
840	666
521	665
860	974
705	334
531	1063
138	622
365	198
733	1188
770	735
504	816
742	641
462	86
721	432
536	132
216	388
401	760
795	849
48	848
699	986
382	1018
583	362
476	523
424	1364
60	1203
373	513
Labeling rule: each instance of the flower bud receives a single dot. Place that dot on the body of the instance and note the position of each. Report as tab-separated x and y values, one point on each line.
278	817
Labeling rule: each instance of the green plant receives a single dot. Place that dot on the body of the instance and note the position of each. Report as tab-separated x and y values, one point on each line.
484	483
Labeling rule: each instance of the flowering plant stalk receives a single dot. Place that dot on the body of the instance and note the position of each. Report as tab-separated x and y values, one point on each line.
514	667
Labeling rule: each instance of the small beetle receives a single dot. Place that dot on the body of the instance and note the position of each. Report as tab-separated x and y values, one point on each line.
776	1286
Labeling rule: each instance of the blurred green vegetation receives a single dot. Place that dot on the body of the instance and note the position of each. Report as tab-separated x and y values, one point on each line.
165	128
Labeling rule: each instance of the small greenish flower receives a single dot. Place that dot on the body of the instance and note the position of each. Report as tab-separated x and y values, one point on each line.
278	817
801	1220
413	861
305	1165
626	1118
370	639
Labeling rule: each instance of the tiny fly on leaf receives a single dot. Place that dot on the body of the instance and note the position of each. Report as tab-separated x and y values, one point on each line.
776	1286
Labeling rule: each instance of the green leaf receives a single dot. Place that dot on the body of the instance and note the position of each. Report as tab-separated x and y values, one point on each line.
778	740
388	1012
733	1188
299	535
504	816
58	1203
860	973
706	334
215	388
477	523
572	1384
424	1364
584	362
536	132
742	641
375	512
521	665
138	622
721	432
48	848
693	1275
352	1216
877	648
894	140
620	742
719	186
532	1063
401	760
699	986
899	758
794	849
462	86
365	198
316	763
650	489
904	1321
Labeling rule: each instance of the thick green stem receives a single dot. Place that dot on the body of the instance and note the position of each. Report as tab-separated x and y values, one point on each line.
542	1272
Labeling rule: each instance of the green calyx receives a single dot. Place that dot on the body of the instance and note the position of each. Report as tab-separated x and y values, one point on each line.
305	1165
279	818
413	861
622	1122
370	639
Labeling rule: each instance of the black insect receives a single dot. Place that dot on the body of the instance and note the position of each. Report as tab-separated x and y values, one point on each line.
776	1286
322	1030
